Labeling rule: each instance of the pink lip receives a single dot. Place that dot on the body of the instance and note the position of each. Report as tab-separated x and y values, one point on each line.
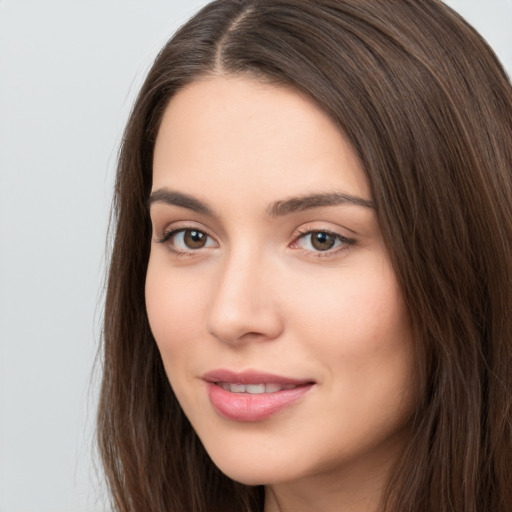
247	407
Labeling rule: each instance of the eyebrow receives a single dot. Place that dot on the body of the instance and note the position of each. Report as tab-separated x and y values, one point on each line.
308	202
276	209
171	197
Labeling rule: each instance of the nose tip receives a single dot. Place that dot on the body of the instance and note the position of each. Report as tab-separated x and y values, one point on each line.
243	307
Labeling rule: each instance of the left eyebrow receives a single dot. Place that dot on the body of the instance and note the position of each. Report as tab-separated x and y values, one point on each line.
308	202
171	197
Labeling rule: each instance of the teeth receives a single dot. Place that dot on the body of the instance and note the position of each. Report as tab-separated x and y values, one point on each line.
255	389
237	388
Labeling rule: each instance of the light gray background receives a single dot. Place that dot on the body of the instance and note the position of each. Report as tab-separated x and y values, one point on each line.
69	72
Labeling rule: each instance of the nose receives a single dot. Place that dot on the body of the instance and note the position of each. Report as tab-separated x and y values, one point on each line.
244	306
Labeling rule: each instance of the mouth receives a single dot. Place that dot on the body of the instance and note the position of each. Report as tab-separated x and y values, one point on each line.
254	389
253	396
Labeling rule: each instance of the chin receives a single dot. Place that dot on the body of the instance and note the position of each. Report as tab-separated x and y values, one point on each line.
251	472
253	476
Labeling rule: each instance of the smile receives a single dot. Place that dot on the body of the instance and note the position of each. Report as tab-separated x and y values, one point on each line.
253	396
254	389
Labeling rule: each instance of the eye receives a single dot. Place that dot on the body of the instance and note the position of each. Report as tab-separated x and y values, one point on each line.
322	241
186	240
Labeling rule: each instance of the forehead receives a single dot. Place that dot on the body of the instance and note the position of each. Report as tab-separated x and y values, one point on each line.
255	139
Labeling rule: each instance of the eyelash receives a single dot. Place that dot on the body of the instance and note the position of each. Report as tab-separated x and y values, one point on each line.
344	242
169	235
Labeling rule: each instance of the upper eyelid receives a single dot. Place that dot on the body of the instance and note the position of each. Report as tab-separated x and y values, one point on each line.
181	226
301	232
167	233
308	231
339	236
338	232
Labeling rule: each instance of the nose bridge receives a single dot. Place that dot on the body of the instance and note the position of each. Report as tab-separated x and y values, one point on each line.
242	305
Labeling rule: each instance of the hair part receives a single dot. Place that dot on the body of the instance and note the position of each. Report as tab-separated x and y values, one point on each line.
428	108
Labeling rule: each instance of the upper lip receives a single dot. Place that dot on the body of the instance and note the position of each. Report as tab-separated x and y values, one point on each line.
251	377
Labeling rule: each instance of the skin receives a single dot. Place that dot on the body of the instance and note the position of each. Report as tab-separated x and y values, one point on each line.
259	295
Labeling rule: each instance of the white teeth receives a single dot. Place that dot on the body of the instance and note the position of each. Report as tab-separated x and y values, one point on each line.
255	389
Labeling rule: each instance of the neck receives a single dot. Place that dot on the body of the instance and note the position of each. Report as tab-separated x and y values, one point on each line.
355	487
304	498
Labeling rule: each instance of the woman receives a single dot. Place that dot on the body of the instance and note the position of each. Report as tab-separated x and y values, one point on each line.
308	305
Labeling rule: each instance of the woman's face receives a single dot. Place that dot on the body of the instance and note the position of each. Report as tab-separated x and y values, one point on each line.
269	289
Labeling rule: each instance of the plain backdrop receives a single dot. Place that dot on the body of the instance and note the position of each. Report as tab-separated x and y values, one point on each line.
69	72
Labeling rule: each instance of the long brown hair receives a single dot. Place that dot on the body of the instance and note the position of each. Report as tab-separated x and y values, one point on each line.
428	108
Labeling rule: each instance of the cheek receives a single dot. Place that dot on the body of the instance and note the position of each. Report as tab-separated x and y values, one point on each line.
173	304
359	328
357	312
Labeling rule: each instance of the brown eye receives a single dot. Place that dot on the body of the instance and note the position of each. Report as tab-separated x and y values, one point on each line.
322	241
194	239
317	242
187	240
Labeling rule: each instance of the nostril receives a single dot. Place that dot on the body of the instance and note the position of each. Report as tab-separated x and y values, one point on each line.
244	326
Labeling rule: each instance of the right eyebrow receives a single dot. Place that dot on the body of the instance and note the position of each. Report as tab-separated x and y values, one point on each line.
171	197
309	202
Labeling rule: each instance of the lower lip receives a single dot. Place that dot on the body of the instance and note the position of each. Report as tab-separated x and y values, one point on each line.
253	407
